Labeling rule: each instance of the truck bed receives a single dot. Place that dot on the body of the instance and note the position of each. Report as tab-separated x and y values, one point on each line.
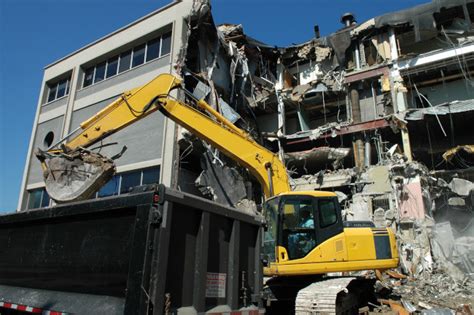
145	252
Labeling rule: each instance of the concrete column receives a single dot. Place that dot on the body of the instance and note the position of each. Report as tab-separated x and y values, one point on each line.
74	86
406	144
22	199
169	167
281	109
393	44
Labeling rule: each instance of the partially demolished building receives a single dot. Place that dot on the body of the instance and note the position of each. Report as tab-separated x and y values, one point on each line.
379	112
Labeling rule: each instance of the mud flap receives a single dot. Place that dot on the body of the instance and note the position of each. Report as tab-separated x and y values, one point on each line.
78	176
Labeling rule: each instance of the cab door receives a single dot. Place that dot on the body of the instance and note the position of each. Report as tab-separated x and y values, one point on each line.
329	219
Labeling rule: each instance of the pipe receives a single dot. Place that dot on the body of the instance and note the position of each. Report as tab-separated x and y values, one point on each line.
368	153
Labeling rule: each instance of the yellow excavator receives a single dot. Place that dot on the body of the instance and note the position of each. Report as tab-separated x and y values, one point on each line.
305	235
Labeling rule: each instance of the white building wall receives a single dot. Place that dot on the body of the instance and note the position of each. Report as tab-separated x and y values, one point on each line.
145	139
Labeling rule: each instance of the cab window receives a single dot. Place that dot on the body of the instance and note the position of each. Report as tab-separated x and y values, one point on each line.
270	235
327	213
299	235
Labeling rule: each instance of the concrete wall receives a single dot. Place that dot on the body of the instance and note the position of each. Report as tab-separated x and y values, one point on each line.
35	173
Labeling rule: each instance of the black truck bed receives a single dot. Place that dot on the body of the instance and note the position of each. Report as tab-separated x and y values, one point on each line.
141	253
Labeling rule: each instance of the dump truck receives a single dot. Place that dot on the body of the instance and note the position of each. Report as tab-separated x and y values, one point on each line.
305	235
154	250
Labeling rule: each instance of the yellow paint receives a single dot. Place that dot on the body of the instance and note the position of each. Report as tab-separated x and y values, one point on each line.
358	253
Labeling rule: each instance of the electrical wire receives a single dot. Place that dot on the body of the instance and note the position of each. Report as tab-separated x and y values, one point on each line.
457	57
431	105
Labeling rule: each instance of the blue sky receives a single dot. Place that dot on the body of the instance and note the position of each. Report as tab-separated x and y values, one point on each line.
34	33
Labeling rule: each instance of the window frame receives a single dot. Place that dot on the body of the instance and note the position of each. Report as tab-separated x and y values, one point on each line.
55	86
42	191
132	52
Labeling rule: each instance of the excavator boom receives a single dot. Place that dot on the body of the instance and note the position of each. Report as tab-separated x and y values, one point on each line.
74	173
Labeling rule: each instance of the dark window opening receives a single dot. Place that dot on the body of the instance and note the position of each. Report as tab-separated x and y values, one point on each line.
151	176
38	198
111	188
62	86
470	9
99	72
445	17
125	59
52	93
130	180
112	66
138	55
88	77
48	140
153	49
327	213
166	44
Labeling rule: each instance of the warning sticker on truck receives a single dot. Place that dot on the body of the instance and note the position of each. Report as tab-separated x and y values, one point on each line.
215	285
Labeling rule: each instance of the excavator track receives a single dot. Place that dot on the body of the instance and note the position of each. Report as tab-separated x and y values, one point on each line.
331	296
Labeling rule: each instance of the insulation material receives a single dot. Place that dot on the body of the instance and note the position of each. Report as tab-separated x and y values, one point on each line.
411	201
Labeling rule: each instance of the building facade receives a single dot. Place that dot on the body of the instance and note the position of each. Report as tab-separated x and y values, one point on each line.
80	84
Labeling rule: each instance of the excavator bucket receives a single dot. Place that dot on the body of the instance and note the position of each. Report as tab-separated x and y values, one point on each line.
77	176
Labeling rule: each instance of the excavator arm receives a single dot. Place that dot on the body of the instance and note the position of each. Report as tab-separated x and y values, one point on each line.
72	172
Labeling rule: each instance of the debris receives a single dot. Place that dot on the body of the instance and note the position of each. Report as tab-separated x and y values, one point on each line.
395	274
223	183
461	186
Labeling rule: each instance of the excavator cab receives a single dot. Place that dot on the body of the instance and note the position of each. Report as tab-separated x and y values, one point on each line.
298	223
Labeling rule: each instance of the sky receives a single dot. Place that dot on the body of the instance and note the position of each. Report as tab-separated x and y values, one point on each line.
35	33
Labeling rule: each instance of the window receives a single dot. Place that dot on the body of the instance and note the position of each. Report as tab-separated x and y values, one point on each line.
111	188
327	213
124	61
48	140
165	44
270	235
88	77
99	72
299	234
62	88
38	198
138	55
52	93
112	66
153	49
130	180
122	183
58	89
151	176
